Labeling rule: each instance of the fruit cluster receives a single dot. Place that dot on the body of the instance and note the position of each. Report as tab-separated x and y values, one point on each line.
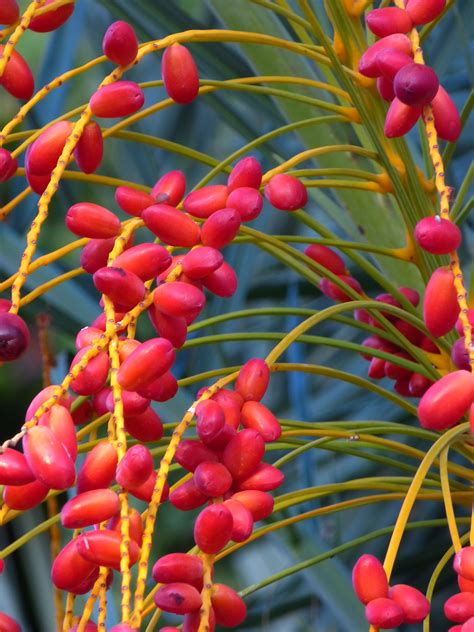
460	607
386	606
407	84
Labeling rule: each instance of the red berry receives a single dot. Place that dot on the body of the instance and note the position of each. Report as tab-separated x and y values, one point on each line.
331	290
440	305
369	579
460	607
231	403
180	74
114	100
51	20
248	202
120	43
446	401
98	468
178	567
463	562
59	420
384	613
246	173
242	520
23	497
135	467
414	604
327	258
145	426
446	116
172	226
253	380
387	21
416	84
162	389
70	571
222	282
418	385
210	420
89	508
173	328
123	288
286	193
103	548
8	165
229	607
260	504
178	597
135	526
212	479
48	459
150	360
14	469
201	262
243	453
213	528
385	89
86	219
368	63
424	11
389	61
133	201
9	12
206	201
14	336
400	119
265	478
179	299
44	153
190	453
17	78
257	417
89	150
187	496
94	376
7	624
220	228
170	188
133	403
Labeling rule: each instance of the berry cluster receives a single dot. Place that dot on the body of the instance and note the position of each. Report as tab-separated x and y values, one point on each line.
460	607
386	606
406	84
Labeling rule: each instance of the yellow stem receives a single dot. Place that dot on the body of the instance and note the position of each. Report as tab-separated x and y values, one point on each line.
17	33
448	501
206	593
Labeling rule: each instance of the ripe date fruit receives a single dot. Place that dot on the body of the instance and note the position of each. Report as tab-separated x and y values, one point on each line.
48	459
89	150
14	469
171	226
369	579
86	219
213	528
89	508
400	118
229	607
437	236
9	12
180	74
118	99
14	336
416	84
120	43
286	193
178	597
17	78
98	468
51	20
440	304
253	380
178	567
243	453
147	363
446	401
389	20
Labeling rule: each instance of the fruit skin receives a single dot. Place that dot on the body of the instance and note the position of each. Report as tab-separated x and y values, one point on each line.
369	579
7	624
102	548
17	78
201	262
24	497
424	11
178	597
246	173
384	613
87	219
147	426
150	360
14	336
206	201
229	607
135	467
253	380
327	258
145	260
190	453
243	453
180	74
222	282
437	235
44	153
248	202
416	84
257	416
178	567
173	227
242	520
212	479
220	228
385	89
94	376
331	290
120	43
170	188
179	299
446	401
463	562
48	458
187	497
286	193
368	63
260	504
133	201
8	165
9	12
114	100
70	569
89	150
400	119
89	508
389	61
51	20
265	478
440	304
98	468
414	604
387	21
460	607
14	469
125	289
213	528
446	116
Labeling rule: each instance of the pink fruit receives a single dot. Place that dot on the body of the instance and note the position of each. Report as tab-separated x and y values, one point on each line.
389	61
264	478
446	401
260	504
8	165
102	548
220	228
246	173
17	78
180	74
44	153
383	22
414	604
120	43
206	201
400	119
98	468
14	469
89	150
416	84
368	63
384	613
7	624
369	579
170	188
178	567
114	100
14	336
229	607
212	479
440	305
424	11
86	219
463	562
437	236
178	597
172	226
446	116
248	202
241	518
327	258
48	459
243	453
51	20
147	363
23	497
460	607
89	508
286	193
213	528
9	12
256	416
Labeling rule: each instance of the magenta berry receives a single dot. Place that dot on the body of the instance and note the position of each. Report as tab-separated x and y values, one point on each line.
437	236
416	84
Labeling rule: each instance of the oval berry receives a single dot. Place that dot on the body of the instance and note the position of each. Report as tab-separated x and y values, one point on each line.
8	165
286	193
414	604
172	226
229	607
213	528
135	467
424	11
200	262
253	379
246	173
9	12
400	119
265	478
242	520
368	63
203	202
178	567
98	468
44	153
260	504
120	43
150	360
248	202
125	289
383	22
103	548
437	235
257	417
17	78
23	497
440	304
179	299
180	74
114	100
51	20
446	401
14	469
212	479
416	84
89	508
178	598
89	150
94	376
384	613
86	219
14	337
220	228
446	116
48	458
146	426
170	188
243	454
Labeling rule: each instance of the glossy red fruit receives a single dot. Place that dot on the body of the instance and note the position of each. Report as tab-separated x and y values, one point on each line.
125	289
14	469
7	624
248	202
135	526
14	336
286	193
133	201
446	116
465	585
418	385
41	397
70	569
210	420
23	497
8	165
424	11
122	627
387	21
206	201
191	622
48	458
389	61
400	119
231	403
98	469
179	299
220	228
44	153
257	417
51	20
89	508
146	426
59	420
145	260
460	607
243	453
463	562
162	389
150	360
120	43
180	74
222	282
265	478
242	520
213	528
222	439
200	262
416	84
331	290
414	604
95	254
246	173
187	497
327	258
178	597
446	401
133	403
9	12
440	305
135	467
178	567
94	376
114	100
260	504
145	490
369	579
17	78
376	370
190	453
103	548
212	479
86	219
229	607
253	380
172	226
89	150
368	65
170	188
468	626
384	613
